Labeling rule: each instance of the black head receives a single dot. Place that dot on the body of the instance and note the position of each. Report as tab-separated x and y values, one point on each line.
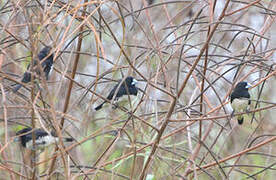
130	81
23	133
45	52
241	86
240	91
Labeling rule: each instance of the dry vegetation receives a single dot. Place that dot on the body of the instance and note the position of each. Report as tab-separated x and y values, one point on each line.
187	56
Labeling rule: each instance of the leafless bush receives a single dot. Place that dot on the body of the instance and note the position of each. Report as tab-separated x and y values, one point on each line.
187	57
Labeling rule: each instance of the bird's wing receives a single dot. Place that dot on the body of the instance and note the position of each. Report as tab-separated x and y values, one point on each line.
38	133
112	92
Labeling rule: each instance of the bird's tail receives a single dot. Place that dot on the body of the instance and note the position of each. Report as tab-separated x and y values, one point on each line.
68	139
99	107
17	87
240	120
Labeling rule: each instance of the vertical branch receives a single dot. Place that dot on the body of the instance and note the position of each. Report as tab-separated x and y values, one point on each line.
68	94
211	12
33	154
32	71
6	126
182	47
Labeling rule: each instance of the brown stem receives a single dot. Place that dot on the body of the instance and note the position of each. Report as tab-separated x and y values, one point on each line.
68	94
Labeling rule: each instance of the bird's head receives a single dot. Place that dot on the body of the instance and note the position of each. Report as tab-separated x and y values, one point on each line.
130	81
21	135
23	131
243	85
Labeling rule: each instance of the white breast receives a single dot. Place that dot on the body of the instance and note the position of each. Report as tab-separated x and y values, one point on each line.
51	70
124	101
240	105
42	142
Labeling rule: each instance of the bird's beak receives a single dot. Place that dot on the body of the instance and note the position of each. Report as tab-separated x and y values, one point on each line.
134	81
248	86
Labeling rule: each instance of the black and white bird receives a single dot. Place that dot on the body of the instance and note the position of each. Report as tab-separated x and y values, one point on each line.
46	66
240	99
127	87
42	138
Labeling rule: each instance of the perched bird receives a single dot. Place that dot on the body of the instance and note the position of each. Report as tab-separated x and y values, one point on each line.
240	99
42	138
46	66
126	88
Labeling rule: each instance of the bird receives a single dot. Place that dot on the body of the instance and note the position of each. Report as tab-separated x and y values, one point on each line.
46	66
42	138
240	99
127	87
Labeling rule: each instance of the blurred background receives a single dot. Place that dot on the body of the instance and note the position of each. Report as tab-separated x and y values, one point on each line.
187	56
